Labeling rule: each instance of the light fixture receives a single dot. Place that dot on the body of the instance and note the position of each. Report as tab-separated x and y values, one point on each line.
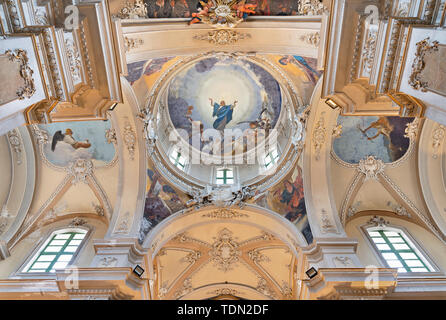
113	106
311	273
138	270
331	103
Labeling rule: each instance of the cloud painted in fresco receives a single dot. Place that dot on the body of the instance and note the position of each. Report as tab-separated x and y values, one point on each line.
94	131
227	80
353	145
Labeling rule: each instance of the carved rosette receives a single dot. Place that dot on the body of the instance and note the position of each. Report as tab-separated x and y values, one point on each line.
371	167
20	55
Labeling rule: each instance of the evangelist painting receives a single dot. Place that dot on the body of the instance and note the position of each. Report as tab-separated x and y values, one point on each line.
162	200
287	199
78	140
382	137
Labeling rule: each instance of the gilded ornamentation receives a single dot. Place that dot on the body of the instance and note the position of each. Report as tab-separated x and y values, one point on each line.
264	288
311	8
312	39
135	10
224	213
256	256
225	291
53	66
412	129
337	131
110	135
371	167
185	288
437	139
418	65
76	222
16	144
222	13
80	169
191	257
319	136
129	138
74	59
225	251
368	52
378	222
222	37
402	211
19	55
132	43
98	209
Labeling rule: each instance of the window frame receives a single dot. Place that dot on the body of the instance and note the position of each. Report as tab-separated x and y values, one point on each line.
274	161
225	178
420	252
174	164
43	242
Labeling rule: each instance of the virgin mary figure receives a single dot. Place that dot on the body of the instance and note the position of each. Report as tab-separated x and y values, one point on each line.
223	112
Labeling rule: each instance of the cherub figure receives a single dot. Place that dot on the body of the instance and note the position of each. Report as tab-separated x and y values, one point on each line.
203	11
244	9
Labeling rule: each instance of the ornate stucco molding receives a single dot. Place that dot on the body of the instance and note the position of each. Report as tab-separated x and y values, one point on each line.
225	213
418	65
313	39
319	134
132	43
222	36
129	138
20	55
371	167
74	59
135	10
16	144
438	136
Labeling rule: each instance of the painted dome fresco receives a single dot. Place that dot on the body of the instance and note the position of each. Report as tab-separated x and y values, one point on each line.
224	94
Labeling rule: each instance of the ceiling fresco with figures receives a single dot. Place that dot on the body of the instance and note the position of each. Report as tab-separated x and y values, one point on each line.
382	137
186	8
258	99
78	140
224	94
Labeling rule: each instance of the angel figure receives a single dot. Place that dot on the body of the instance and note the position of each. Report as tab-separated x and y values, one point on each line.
244	9
202	12
68	138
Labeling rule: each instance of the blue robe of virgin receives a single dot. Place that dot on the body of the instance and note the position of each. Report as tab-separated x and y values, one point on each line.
223	114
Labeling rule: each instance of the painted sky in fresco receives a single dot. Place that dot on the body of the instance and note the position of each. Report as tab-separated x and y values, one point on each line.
229	80
384	138
100	150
